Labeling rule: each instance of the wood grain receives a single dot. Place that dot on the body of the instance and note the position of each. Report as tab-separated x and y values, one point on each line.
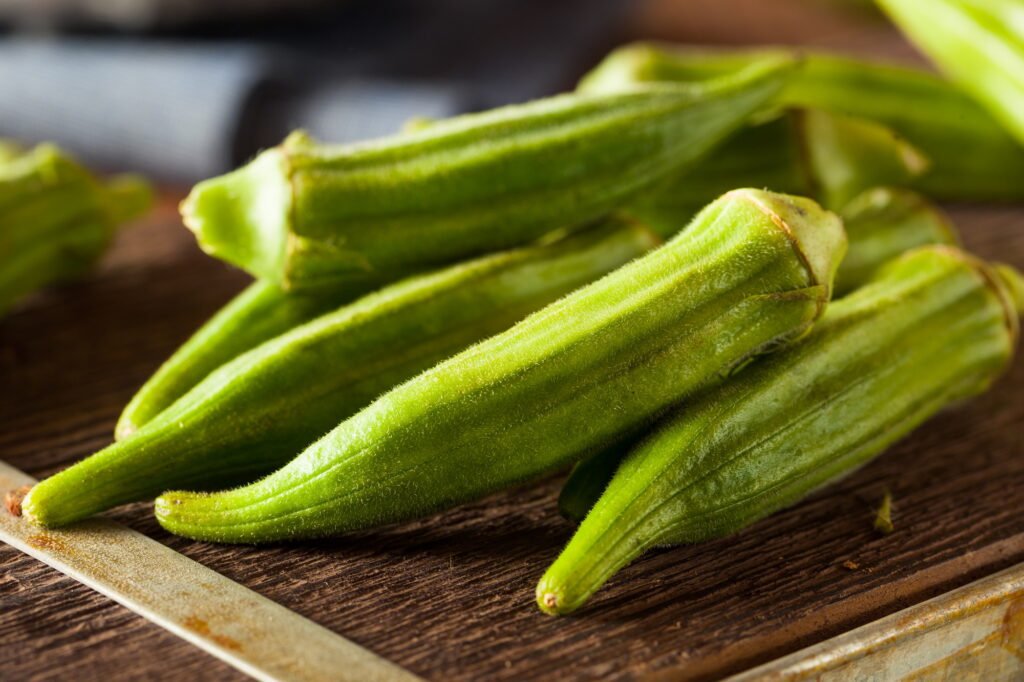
451	597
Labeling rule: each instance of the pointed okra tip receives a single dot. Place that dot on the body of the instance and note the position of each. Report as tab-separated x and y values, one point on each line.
817	235
550	599
243	217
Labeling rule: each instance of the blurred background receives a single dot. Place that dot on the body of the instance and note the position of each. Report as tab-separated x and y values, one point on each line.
185	89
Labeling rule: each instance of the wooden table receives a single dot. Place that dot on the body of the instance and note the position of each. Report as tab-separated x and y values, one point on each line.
451	597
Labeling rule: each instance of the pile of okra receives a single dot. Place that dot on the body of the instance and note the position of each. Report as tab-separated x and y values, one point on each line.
707	282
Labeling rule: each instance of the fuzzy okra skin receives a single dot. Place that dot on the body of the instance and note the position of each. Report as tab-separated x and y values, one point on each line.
881	224
979	44
255	413
752	272
57	219
307	216
935	117
259	313
934	327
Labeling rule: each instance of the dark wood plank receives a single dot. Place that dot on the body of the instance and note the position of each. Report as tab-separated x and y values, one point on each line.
451	597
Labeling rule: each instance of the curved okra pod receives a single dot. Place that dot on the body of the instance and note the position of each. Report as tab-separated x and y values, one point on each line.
57	219
881	225
752	272
931	114
307	216
255	413
258	314
978	43
936	326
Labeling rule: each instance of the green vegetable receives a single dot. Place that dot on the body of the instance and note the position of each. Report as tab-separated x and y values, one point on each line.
884	223
971	156
752	272
881	224
979	44
255	413
935	327
847	156
258	314
307	216
56	219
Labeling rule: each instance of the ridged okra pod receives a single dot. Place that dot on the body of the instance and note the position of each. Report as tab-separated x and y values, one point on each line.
259	313
258	411
56	219
935	327
881	224
979	44
307	216
751	273
972	157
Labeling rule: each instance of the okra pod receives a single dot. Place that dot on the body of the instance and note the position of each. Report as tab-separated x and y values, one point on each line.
881	225
56	219
935	327
261	312
255	413
307	216
979	44
751	273
972	157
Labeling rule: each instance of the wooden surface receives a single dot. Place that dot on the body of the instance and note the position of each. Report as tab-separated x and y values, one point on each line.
451	597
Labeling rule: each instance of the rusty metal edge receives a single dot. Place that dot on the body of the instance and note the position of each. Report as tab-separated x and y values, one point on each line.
245	630
913	641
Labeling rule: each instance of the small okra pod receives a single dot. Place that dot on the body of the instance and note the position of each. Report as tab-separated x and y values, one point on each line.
57	219
931	114
934	327
881	225
307	216
750	274
255	413
979	44
259	313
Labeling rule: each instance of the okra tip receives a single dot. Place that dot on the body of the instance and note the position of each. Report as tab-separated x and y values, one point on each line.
549	599
242	217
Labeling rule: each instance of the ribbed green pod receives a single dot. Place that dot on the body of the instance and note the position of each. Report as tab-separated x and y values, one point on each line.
881	225
56	219
936	326
972	157
259	313
308	216
979	44
752	272
255	413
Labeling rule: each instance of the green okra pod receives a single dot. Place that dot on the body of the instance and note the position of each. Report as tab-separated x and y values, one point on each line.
256	412
881	224
307	216
259	313
56	219
972	157
978	43
752	272
934	327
